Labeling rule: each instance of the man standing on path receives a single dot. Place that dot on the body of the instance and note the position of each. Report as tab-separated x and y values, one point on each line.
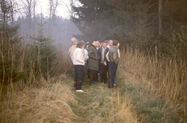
103	66
72	48
113	57
93	61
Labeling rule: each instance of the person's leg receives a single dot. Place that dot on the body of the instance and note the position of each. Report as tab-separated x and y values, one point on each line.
88	73
110	85
115	72
105	74
79	77
95	75
75	75
91	72
101	72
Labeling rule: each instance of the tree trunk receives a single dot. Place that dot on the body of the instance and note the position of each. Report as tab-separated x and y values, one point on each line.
160	17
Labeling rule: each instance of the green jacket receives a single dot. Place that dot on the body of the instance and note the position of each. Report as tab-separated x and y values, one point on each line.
93	61
114	55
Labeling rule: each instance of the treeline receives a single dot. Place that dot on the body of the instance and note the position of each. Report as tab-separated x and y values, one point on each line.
156	25
27	52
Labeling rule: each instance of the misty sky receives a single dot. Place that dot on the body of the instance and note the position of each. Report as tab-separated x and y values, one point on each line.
63	9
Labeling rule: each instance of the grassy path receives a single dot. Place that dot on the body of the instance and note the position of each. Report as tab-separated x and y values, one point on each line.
100	105
130	102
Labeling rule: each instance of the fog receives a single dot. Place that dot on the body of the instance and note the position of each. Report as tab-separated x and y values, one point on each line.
49	18
59	30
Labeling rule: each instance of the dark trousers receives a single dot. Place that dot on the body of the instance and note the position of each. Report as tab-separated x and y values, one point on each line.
79	72
103	72
112	74
93	75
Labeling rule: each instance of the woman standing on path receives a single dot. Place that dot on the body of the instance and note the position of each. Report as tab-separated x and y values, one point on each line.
79	62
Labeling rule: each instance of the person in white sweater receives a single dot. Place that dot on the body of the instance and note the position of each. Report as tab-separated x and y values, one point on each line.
78	59
72	48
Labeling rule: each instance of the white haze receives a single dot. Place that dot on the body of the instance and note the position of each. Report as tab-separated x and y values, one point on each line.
42	6
61	30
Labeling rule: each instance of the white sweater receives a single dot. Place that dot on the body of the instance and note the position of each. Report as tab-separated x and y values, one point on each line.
78	57
71	50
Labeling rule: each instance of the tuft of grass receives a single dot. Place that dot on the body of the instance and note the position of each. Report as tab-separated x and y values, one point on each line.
155	76
49	103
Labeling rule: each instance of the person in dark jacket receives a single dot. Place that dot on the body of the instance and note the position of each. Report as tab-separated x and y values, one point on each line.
93	61
103	64
113	57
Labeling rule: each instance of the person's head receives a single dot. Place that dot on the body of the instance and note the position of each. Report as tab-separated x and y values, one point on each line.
104	44
110	42
87	44
74	41
98	44
81	44
95	43
116	43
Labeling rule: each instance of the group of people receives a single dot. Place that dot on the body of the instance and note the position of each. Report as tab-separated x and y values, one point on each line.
100	59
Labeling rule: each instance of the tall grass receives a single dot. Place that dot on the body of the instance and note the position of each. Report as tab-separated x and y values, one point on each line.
166	77
44	104
22	63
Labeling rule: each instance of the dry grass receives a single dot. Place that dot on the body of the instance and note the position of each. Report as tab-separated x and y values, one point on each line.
122	110
64	64
103	105
164	77
39	105
53	100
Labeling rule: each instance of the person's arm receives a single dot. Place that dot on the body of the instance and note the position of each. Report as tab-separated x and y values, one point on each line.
106	51
119	55
107	58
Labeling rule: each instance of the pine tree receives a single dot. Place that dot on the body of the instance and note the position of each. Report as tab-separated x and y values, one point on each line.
46	56
106	19
9	46
90	18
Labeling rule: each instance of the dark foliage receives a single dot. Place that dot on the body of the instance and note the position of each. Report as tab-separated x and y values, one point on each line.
135	23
